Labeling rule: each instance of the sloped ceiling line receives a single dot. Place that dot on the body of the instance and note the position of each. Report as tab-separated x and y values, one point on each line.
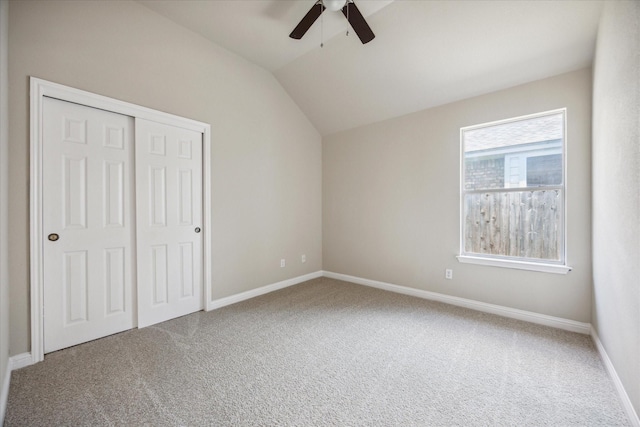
426	52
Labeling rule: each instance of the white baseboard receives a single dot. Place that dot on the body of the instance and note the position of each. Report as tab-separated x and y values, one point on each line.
4	392
513	313
624	397
15	362
222	302
20	361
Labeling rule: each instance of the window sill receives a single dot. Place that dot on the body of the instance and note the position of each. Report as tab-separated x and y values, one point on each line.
520	265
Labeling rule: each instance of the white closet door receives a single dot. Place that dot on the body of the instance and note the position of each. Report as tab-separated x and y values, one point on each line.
88	218
169	221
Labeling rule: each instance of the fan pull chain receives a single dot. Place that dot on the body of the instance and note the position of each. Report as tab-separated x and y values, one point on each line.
348	22
321	26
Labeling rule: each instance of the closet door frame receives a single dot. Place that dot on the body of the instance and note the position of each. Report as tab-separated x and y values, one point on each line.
39	89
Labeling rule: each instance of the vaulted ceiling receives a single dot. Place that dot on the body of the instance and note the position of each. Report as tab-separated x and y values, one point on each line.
426	52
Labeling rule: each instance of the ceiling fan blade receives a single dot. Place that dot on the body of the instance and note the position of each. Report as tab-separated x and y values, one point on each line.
358	22
308	20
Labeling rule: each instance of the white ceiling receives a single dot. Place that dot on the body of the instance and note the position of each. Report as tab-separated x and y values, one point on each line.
426	52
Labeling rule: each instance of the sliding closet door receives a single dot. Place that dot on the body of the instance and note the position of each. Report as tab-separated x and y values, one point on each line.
88	223
169	221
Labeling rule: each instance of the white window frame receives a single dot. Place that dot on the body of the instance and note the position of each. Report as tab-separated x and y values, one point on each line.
521	263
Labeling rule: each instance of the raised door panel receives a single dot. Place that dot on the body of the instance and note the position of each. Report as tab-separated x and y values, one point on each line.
157	192
115	281
114	194
74	191
75	288
159	275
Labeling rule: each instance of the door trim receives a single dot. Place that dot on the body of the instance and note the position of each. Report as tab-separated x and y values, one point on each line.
38	90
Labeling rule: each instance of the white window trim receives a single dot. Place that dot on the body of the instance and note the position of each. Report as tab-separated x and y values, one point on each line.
545	266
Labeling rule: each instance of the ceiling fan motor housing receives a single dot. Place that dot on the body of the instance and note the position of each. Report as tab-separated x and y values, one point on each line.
349	10
334	5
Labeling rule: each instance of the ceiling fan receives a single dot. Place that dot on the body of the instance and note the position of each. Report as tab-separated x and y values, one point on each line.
349	10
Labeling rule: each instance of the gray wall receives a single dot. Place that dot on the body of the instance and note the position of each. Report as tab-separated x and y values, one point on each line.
390	205
391	201
616	191
266	156
4	202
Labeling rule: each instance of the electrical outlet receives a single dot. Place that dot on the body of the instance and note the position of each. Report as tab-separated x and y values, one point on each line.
448	274
303	258
283	262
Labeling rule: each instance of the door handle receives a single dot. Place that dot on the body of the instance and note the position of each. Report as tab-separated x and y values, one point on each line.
53	237
197	230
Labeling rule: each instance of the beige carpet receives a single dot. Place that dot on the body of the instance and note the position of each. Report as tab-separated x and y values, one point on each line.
323	353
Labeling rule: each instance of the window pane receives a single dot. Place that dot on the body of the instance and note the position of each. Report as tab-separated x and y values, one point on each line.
523	224
501	155
515	133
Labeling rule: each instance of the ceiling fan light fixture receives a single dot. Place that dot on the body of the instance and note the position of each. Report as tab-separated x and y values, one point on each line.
334	5
352	13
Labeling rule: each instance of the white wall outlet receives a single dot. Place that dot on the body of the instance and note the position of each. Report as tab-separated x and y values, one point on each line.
448	274
283	262
303	258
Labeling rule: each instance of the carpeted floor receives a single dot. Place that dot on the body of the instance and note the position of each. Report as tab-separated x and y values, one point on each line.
323	353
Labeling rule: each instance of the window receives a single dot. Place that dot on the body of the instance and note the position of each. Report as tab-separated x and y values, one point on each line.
513	190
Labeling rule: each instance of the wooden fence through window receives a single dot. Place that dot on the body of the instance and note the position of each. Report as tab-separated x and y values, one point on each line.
514	223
